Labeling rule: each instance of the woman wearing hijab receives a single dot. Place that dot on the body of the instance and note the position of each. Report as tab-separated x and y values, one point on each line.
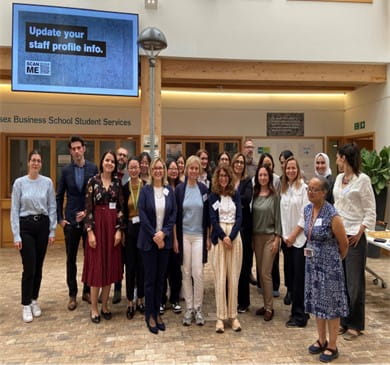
322	169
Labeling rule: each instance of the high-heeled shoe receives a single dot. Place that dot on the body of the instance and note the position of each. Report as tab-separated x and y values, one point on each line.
130	312
153	329
95	319
160	324
106	315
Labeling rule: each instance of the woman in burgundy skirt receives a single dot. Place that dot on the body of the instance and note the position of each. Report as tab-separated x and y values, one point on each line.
104	224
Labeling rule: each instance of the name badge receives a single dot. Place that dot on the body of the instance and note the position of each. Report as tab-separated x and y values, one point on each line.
204	197
318	222
135	219
112	205
308	252
165	191
216	205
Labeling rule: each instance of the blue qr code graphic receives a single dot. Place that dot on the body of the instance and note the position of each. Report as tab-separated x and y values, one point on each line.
39	68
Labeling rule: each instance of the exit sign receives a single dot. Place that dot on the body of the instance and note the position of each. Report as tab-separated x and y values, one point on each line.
359	125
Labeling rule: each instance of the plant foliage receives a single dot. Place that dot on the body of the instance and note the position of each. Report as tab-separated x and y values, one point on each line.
377	167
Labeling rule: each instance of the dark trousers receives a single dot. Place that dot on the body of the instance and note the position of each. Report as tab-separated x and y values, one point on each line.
35	235
288	273
133	263
155	266
298	285
276	273
354	270
73	234
246	267
173	276
118	284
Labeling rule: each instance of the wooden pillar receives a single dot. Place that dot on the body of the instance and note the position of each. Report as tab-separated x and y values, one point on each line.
145	104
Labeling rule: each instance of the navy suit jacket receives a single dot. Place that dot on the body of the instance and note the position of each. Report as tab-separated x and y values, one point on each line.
217	232
147	215
75	199
180	193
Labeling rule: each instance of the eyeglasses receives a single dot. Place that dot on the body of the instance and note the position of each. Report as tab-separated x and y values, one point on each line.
239	162
158	168
310	190
173	169
35	161
122	154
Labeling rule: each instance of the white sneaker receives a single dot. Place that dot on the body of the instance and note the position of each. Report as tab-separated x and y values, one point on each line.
36	310
27	314
199	319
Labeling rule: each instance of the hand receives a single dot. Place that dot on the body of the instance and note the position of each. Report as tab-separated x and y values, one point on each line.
227	242
51	241
91	239
18	245
275	246
208	244
289	241
80	216
175	246
63	223
353	240
117	238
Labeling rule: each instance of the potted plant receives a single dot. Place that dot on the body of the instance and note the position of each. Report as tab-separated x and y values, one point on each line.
377	167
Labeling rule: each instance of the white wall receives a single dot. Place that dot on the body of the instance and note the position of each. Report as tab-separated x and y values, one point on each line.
253	30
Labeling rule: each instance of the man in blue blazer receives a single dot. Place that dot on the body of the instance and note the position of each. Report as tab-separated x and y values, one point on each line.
73	182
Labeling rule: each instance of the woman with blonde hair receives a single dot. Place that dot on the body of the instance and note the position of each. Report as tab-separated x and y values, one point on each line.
293	199
226	255
157	212
192	235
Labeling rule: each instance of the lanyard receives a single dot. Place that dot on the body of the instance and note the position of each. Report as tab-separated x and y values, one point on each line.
135	201
312	220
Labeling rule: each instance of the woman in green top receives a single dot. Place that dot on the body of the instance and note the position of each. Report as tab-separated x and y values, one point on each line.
266	233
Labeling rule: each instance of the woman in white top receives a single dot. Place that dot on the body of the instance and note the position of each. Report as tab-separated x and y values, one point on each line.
33	222
355	202
293	198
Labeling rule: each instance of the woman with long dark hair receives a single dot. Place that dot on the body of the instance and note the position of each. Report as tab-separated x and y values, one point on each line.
104	224
355	202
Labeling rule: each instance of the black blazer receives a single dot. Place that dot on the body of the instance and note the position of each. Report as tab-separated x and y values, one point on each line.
75	199
217	232
246	194
179	193
147	215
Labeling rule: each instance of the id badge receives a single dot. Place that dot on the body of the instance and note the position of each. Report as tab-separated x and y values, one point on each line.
135	219
112	205
308	252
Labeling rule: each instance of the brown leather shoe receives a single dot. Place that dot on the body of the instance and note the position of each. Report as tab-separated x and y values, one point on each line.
86	297
72	303
268	315
260	312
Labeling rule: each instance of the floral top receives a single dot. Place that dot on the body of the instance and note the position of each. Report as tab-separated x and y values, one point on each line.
98	195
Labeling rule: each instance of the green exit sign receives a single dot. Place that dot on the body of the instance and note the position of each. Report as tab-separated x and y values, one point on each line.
359	125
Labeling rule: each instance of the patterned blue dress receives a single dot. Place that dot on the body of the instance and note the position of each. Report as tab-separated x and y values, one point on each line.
325	292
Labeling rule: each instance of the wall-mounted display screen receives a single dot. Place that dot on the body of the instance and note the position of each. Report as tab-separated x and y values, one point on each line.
68	50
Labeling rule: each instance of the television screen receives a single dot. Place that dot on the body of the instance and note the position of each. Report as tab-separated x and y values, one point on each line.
67	50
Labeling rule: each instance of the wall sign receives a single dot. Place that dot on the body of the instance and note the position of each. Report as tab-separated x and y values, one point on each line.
285	124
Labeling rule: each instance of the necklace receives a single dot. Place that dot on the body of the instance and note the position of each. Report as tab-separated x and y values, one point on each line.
346	180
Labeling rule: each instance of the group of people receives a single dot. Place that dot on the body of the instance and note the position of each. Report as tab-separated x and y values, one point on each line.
161	221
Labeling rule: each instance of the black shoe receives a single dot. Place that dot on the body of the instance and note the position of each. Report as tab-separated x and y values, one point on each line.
160	324
292	323
287	298
242	309
117	297
316	348
106	315
141	307
153	329
252	280
95	319
130	312
86	297
162	309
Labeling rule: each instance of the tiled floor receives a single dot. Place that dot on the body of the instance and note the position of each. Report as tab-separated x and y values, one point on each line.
60	336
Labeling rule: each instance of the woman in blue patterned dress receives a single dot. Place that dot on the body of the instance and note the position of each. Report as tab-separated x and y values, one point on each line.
327	245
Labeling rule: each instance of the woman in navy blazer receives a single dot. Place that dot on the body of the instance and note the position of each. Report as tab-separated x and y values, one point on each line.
226	254
157	211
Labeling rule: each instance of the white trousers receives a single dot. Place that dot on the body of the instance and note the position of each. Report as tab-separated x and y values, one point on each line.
192	270
226	263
